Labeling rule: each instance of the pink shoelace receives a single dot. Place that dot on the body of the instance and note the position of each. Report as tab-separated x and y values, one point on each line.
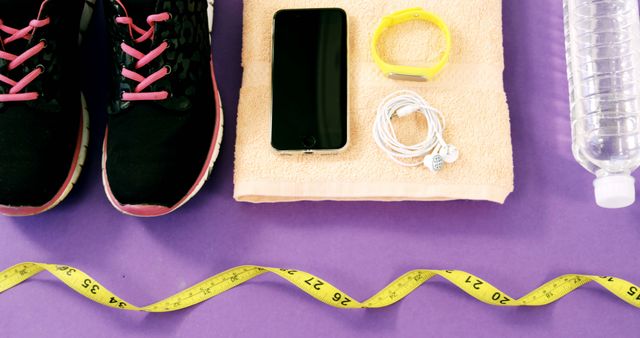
144	59
17	60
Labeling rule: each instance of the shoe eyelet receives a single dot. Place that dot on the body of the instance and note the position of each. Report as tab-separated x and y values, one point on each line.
169	69
123	104
42	68
168	42
46	44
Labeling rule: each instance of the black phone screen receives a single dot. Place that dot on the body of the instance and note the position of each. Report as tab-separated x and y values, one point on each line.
309	80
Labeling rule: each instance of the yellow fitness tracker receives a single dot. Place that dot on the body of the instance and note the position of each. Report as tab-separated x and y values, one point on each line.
410	73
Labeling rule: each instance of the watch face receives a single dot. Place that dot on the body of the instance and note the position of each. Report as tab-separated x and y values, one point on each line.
407	77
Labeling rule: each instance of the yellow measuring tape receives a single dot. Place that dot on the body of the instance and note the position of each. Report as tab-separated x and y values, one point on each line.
319	288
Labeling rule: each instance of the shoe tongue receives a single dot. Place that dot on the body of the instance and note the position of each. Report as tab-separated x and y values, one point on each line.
18	14
139	10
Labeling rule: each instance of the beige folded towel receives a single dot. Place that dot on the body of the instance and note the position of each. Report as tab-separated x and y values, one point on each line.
469	92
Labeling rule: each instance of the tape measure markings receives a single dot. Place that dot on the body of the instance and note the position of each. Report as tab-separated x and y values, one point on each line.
320	289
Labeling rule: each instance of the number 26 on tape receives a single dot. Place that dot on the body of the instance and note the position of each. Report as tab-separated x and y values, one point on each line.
339	298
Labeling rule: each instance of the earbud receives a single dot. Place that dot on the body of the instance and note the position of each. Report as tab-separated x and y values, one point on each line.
444	154
449	153
434	162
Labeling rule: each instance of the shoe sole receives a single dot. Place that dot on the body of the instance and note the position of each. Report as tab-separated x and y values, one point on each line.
80	154
214	151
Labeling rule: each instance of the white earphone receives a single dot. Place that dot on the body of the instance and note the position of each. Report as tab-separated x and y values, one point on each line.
434	151
434	162
437	160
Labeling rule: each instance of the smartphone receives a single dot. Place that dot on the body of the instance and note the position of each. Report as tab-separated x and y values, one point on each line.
310	81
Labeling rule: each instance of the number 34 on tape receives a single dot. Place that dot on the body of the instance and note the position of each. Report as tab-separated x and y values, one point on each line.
319	288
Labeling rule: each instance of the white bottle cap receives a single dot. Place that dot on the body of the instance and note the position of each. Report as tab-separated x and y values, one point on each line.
616	191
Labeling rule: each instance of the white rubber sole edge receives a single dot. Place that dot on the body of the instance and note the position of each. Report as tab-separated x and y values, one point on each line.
218	141
214	158
81	157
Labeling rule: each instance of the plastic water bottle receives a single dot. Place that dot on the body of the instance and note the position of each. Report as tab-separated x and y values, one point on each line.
603	56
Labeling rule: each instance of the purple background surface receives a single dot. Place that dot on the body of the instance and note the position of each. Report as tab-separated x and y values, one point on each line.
549	226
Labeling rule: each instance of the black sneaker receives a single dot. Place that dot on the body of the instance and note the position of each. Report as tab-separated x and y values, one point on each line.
43	117
165	121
